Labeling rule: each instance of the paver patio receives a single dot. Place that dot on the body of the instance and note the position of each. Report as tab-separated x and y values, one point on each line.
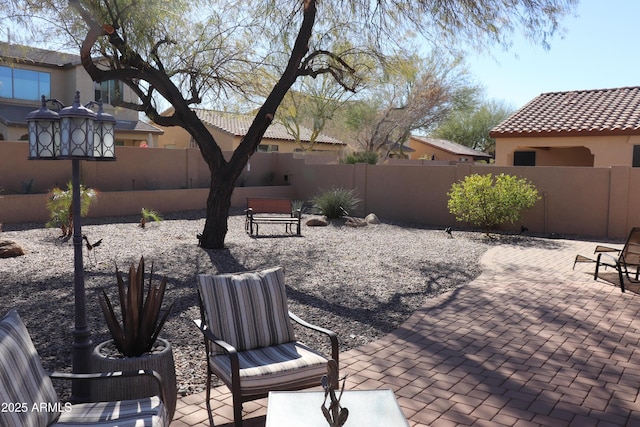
529	342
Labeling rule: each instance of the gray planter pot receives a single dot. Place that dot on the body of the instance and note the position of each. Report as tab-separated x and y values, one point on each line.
135	387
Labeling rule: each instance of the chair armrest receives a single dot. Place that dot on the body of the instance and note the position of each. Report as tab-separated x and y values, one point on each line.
106	375
601	248
297	214
332	335
228	348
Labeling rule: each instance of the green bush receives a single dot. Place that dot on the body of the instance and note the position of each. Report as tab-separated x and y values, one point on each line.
369	157
487	201
336	202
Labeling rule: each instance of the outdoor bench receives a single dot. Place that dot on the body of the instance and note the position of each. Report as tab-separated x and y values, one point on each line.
271	211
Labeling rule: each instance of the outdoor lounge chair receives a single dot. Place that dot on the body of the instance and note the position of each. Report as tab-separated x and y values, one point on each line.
626	262
29	399
249	339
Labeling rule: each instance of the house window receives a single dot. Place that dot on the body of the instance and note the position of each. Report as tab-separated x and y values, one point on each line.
267	148
110	92
524	158
636	156
24	84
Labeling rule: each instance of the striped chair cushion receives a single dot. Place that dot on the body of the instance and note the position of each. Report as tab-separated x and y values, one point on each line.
148	412
283	367
247	310
22	377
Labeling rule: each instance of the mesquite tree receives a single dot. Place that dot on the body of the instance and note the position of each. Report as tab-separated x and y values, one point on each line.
188	53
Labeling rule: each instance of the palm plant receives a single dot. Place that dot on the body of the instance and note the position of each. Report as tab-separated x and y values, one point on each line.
149	215
60	206
141	322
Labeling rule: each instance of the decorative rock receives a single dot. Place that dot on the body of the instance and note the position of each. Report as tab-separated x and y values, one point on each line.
315	222
354	222
9	249
372	219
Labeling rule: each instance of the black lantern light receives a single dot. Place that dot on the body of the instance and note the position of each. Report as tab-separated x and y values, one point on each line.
75	133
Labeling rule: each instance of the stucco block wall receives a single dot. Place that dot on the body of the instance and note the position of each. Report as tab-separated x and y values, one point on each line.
586	201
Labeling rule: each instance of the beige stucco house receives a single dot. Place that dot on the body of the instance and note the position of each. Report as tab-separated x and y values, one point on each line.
599	128
425	147
229	128
27	73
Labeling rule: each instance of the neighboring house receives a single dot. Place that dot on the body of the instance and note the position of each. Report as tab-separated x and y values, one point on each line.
440	149
228	129
397	151
27	73
598	128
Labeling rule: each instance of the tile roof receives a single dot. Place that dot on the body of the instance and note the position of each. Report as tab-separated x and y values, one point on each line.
32	55
15	115
238	124
575	113
451	147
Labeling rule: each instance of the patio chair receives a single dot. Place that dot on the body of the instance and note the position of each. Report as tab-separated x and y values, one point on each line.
249	339
29	399
626	262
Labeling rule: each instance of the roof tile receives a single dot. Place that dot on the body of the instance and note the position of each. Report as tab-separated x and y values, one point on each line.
599	111
451	147
238	125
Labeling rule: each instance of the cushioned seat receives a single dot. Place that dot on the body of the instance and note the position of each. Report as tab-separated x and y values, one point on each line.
285	366
24	382
250	341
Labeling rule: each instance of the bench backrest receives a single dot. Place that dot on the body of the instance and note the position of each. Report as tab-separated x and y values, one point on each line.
268	205
631	251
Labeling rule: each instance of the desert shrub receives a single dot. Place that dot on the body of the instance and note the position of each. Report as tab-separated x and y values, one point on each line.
59	204
336	202
369	157
487	200
147	215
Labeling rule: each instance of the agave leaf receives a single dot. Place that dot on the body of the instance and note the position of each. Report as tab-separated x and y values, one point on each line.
111	319
161	324
133	312
155	303
123	295
140	327
140	285
150	314
149	308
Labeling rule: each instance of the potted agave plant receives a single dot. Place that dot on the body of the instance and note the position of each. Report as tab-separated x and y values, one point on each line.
135	343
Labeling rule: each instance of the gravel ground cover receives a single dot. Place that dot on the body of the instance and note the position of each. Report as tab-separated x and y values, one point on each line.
361	282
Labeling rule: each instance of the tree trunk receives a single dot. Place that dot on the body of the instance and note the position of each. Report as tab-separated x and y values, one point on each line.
218	204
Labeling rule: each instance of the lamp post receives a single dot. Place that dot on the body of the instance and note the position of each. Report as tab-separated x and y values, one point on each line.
75	133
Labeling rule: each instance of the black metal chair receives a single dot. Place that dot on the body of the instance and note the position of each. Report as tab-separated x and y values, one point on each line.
249	338
626	262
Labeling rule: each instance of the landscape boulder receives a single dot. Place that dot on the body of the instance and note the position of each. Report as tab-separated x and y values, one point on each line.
372	219
9	249
316	222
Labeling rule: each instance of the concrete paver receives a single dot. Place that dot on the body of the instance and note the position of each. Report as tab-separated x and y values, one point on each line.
529	342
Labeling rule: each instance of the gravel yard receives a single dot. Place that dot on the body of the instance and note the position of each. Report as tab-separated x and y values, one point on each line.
361	282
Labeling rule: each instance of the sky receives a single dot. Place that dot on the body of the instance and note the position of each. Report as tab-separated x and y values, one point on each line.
599	49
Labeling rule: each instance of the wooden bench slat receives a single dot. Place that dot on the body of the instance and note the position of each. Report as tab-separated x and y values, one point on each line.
263	207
